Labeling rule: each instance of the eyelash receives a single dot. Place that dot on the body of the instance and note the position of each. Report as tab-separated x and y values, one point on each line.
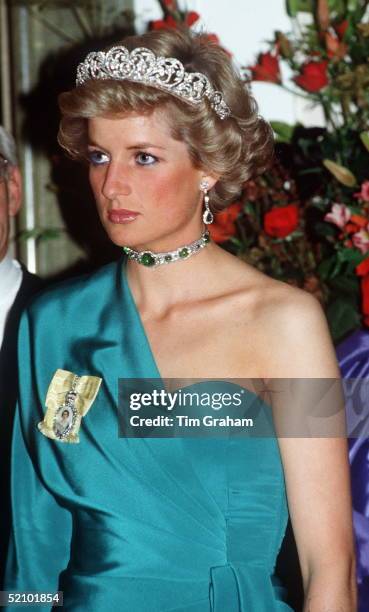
92	159
95	152
148	155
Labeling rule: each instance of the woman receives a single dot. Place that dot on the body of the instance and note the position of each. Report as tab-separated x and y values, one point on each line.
177	524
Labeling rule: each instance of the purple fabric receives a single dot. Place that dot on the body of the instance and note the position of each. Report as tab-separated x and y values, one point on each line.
353	358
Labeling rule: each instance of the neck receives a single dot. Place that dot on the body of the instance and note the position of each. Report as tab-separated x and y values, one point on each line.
157	290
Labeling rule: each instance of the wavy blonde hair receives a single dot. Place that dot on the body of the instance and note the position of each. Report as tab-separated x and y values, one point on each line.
236	149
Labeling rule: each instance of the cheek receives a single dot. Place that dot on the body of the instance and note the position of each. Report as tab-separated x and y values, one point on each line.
171	191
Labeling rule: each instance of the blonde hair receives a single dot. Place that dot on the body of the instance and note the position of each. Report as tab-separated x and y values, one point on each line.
236	149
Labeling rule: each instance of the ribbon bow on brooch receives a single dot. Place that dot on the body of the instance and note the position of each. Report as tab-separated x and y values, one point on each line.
69	398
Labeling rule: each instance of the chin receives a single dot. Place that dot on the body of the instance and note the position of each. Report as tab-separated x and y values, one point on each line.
119	235
121	241
124	234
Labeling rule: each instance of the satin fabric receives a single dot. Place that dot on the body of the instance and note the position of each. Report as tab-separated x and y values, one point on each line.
353	358
169	525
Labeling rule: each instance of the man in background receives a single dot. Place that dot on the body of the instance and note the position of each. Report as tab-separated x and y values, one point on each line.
17	285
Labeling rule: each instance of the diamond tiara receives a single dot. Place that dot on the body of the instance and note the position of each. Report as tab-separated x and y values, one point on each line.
143	66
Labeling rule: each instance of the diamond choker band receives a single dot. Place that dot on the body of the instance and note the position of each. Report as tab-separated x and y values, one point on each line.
143	66
150	259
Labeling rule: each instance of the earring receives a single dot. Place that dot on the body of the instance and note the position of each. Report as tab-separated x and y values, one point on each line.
207	216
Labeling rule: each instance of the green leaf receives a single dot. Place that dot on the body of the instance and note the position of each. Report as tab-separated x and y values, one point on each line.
283	130
350	255
364	137
348	285
236	241
316	170
41	234
49	234
339	6
352	5
295	6
342	317
356	210
326	267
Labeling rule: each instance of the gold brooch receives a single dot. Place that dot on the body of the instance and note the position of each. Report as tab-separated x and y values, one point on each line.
69	398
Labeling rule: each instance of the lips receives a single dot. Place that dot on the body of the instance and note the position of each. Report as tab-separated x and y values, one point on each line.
122	215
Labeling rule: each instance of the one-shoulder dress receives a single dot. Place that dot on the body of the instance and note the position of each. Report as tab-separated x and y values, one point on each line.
132	524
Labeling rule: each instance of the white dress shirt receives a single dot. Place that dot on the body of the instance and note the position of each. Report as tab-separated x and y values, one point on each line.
10	282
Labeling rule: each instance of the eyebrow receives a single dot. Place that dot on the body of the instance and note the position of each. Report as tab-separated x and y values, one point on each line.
137	145
144	145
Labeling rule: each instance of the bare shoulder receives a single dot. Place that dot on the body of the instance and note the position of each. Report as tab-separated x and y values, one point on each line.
283	304
276	298
292	330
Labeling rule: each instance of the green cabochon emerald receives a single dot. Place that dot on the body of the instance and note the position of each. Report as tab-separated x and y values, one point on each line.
147	259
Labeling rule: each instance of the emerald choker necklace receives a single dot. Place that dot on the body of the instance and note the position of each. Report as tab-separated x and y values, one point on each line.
150	259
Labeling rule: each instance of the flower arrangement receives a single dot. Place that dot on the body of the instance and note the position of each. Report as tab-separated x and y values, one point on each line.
306	221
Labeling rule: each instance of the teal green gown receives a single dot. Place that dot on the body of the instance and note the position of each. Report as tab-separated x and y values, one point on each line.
132	524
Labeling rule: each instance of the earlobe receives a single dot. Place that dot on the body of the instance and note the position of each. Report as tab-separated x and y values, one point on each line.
14	184
210	179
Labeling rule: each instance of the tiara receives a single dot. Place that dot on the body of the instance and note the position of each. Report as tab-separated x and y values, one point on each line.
143	66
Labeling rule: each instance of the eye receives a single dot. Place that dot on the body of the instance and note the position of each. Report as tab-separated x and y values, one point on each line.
96	157
145	159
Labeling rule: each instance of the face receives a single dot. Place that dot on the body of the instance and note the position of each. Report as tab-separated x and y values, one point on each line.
10	200
144	182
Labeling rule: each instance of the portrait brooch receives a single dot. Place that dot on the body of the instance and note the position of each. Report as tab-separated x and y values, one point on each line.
68	399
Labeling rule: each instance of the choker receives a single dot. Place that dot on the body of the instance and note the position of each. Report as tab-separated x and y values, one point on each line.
150	259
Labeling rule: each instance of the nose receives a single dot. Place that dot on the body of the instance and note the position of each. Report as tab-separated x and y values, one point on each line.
116	181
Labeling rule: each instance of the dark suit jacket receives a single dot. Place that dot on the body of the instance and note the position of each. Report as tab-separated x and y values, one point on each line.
30	285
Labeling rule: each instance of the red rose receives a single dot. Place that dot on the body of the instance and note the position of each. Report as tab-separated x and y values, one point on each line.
313	76
267	69
191	18
224	226
160	24
281	220
170	22
362	269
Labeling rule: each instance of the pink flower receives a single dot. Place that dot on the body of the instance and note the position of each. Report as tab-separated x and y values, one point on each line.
364	193
339	215
361	240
